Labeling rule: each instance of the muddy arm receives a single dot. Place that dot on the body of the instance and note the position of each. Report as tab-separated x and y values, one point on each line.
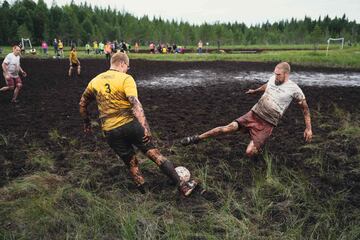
140	115
260	89
85	100
308	130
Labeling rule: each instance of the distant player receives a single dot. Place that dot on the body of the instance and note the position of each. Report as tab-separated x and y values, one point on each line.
11	68
74	61
259	122
123	121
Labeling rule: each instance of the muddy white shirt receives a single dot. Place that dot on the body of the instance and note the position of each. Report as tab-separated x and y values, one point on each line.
276	100
13	63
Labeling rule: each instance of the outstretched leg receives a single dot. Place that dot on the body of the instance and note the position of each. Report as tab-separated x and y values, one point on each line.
231	127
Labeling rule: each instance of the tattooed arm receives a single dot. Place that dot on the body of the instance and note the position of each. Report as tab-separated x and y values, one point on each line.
86	98
260	89
140	115
308	131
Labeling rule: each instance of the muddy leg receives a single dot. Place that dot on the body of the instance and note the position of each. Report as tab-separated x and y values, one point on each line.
135	171
164	164
232	127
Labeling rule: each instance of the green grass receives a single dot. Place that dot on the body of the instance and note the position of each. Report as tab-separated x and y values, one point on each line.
349	57
268	200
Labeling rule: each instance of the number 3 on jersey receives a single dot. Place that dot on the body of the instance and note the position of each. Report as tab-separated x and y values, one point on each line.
108	89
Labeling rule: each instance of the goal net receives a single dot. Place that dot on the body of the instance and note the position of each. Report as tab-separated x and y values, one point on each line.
341	40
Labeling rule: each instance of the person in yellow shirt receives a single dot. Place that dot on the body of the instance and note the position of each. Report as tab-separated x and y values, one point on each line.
61	48
123	121
74	61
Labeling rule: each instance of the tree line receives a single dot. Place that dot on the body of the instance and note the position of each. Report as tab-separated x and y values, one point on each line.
85	23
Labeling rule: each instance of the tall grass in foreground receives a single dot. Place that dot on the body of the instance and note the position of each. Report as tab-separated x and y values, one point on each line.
315	197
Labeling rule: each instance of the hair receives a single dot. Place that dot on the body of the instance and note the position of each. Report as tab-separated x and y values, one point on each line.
120	57
284	66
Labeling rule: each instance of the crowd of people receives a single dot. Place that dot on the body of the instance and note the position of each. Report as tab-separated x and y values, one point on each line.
109	47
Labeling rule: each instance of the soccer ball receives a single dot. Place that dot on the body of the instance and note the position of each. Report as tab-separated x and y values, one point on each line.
33	51
183	173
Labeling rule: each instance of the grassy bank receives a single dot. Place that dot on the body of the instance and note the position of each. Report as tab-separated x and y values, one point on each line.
347	58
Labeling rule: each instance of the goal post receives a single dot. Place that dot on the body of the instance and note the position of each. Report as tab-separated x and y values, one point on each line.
335	40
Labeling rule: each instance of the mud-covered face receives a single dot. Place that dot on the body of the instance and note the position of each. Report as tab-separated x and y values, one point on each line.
280	76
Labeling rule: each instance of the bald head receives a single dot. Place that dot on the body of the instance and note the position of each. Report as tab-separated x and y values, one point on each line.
284	67
118	58
282	71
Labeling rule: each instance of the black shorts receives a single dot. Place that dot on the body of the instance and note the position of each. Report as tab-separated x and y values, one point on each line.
123	139
74	65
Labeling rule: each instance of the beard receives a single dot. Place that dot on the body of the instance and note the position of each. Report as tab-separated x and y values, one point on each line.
278	82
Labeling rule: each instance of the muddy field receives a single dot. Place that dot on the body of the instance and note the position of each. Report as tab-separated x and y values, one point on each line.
49	102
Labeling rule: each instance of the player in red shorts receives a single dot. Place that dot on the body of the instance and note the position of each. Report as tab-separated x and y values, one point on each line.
11	68
259	122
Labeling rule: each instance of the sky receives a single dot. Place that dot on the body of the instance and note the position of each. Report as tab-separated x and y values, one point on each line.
249	12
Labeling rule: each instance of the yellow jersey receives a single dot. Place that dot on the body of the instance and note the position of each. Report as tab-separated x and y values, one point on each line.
73	57
111	90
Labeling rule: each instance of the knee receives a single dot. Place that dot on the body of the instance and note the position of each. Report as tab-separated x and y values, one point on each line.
18	85
251	151
156	156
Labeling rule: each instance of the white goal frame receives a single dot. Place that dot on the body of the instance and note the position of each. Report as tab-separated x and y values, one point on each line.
334	39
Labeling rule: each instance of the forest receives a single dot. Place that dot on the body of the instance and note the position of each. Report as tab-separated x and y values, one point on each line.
85	23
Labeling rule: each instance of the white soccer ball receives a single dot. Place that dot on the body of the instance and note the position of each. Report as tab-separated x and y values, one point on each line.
183	173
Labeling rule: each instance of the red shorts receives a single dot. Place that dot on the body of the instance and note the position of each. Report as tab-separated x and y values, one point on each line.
259	129
13	81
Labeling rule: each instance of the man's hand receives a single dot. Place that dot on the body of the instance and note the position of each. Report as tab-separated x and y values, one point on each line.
23	73
147	135
250	91
308	135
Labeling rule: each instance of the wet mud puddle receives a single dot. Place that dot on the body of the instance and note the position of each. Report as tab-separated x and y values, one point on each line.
188	78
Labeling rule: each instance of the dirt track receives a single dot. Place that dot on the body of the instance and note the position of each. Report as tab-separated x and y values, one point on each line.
49	100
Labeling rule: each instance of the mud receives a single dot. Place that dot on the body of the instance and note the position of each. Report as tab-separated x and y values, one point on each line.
49	102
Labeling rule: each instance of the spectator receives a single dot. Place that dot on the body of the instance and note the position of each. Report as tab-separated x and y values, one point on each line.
87	48
200	47
96	47
61	48
56	47
137	47
152	47
44	47
101	47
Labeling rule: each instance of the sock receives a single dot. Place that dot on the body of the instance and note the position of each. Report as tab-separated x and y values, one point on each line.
168	169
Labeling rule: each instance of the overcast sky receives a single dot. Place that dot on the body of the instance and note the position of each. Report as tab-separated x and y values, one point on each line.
246	11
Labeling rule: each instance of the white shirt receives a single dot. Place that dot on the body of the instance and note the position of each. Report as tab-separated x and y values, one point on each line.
276	100
13	63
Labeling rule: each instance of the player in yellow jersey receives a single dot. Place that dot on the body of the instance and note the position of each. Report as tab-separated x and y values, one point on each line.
123	121
74	61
